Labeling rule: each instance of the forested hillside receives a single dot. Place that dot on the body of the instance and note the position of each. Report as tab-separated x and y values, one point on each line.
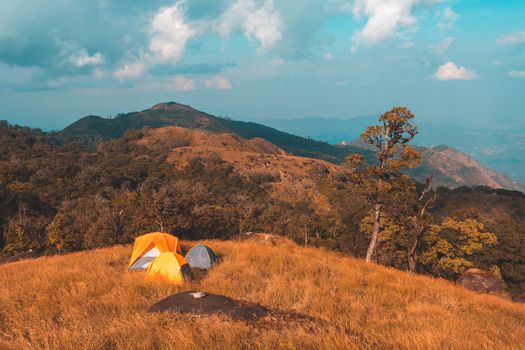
55	199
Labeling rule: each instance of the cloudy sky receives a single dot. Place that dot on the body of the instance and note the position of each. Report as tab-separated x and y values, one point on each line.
461	61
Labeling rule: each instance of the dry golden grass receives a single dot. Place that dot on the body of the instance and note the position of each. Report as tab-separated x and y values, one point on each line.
294	182
248	157
88	300
162	137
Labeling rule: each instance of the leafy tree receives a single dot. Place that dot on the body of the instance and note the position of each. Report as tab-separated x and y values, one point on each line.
384	180
22	233
248	212
62	234
450	247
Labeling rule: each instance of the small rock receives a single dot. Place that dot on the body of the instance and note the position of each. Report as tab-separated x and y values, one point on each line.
197	295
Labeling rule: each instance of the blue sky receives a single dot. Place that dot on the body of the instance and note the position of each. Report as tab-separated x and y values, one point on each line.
460	61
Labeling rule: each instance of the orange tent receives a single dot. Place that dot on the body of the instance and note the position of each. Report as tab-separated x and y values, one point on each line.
168	267
147	247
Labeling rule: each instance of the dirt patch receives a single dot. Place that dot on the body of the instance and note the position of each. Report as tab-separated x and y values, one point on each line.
213	304
210	304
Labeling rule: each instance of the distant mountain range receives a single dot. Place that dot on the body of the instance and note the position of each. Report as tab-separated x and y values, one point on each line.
501	147
450	167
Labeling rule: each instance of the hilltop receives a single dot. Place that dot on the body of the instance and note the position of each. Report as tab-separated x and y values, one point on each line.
451	169
93	129
88	300
290	178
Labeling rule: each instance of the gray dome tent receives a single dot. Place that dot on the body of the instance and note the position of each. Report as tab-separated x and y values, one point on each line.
201	257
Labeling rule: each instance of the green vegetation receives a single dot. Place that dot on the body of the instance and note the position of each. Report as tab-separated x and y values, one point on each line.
450	245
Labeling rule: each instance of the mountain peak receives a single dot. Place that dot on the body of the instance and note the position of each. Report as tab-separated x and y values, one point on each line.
440	148
169	106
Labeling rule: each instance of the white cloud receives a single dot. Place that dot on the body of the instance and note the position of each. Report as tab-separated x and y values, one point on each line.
448	17
443	45
82	58
183	84
450	71
169	34
218	82
517	74
130	71
70	53
341	83
407	45
511	39
170	31
329	56
262	23
385	17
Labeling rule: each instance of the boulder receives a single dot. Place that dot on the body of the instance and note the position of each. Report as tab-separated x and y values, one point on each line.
480	281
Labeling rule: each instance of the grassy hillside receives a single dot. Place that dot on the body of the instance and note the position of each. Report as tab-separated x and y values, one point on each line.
290	178
88	300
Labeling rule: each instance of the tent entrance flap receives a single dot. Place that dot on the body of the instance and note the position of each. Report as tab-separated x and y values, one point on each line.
143	262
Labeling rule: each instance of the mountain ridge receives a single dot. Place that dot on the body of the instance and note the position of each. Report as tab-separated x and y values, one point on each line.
497	147
94	129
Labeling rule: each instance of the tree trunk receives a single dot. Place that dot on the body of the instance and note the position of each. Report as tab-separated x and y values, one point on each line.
377	206
420	226
412	258
375	232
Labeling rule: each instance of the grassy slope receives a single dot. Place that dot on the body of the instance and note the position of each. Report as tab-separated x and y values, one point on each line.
89	300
